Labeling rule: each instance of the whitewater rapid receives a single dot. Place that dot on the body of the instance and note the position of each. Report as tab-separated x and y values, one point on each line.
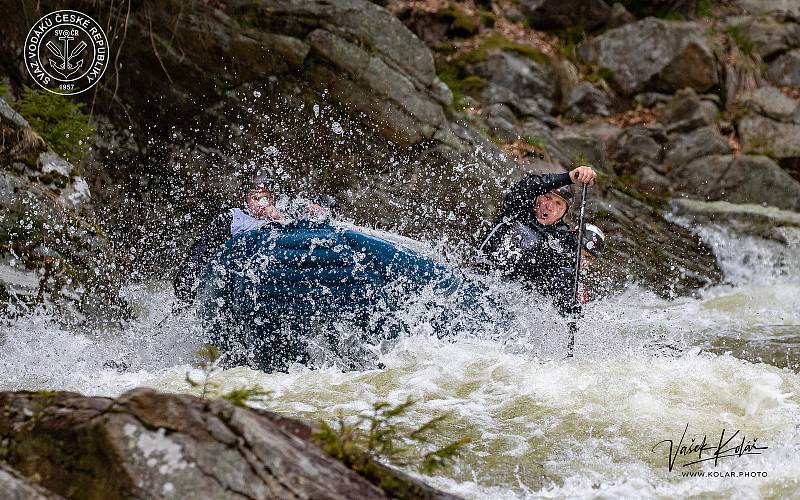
541	426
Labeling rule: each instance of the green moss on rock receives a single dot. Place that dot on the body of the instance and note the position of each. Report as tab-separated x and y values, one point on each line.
456	71
460	85
59	120
625	183
54	178
487	18
461	24
496	41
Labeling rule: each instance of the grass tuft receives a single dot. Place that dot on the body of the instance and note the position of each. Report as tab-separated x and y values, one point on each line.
380	436
741	39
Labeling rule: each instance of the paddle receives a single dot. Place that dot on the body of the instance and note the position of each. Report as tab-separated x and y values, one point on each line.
573	323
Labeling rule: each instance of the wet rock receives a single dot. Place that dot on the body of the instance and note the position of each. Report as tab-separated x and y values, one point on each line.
538	133
76	193
651	182
8	114
688	111
771	125
582	149
619	16
747	219
560	14
586	99
51	250
51	162
645	248
746	179
150	445
757	7
413	115
785	69
701	176
767	36
637	147
653	54
500	120
500	111
772	103
519	74
683	148
523	107
761	135
15	486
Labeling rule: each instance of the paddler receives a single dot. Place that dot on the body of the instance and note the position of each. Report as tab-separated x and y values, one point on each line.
263	205
530	242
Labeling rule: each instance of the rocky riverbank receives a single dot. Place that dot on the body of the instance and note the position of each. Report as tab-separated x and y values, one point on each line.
146	444
416	116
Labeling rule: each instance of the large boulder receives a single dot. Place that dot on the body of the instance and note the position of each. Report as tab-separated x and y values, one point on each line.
771	125
585	100
582	148
359	52
653	54
150	445
538	107
644	248
767	222
683	148
687	111
758	7
637	147
761	135
560	14
743	179
785	69
15	486
764	35
772	103
500	120
526	78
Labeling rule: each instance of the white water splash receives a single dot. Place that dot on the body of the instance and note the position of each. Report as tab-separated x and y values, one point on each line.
541	427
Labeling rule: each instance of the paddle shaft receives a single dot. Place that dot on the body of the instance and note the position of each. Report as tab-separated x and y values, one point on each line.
573	324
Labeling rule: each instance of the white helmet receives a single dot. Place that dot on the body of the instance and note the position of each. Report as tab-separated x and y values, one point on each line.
594	241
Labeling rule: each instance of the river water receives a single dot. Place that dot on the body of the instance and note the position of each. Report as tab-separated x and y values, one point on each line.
541	426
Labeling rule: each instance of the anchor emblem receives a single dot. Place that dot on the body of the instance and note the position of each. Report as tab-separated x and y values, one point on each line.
65	68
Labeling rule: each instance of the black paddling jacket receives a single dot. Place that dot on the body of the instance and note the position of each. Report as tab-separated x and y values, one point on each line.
541	257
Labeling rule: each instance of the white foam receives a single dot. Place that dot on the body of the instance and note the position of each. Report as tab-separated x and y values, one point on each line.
542	426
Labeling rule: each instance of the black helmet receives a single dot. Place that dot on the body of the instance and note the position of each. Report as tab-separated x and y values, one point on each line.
565	193
594	241
264	180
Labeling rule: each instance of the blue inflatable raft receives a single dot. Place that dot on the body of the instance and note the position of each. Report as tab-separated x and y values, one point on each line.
272	288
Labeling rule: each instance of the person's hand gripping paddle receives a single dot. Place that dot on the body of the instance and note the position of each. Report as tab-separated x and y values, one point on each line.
573	322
